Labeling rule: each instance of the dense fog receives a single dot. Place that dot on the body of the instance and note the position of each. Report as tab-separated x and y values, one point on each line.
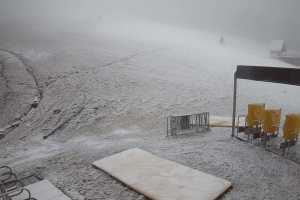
81	80
262	20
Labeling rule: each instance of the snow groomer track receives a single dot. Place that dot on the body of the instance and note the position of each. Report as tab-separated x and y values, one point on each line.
19	90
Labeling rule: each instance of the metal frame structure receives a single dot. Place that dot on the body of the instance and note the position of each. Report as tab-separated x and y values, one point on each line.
11	187
194	122
290	76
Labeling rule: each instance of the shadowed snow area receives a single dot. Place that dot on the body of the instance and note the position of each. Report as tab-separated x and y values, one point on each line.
107	85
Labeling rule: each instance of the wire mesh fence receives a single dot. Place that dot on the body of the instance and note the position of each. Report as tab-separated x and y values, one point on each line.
187	123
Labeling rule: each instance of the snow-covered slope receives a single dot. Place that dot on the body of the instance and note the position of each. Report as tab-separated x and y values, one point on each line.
109	84
108	70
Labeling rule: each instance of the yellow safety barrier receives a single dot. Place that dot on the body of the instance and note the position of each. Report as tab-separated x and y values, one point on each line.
255	115
271	120
291	127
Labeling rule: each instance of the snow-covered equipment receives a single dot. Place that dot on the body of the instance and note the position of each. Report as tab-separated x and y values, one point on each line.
187	123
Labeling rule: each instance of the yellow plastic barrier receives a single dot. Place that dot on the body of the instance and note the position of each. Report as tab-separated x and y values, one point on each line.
271	120
291	127
255	114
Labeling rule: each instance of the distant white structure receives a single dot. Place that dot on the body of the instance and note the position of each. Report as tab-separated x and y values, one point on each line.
278	48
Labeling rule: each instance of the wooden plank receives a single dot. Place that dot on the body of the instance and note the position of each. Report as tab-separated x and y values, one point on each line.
160	179
224	122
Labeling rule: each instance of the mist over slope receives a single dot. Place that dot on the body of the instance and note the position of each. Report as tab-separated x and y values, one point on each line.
262	20
106	74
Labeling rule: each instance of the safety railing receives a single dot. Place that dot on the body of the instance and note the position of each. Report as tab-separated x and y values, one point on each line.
187	123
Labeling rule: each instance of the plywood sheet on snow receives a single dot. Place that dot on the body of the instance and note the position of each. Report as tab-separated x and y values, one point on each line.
44	190
225	122
161	179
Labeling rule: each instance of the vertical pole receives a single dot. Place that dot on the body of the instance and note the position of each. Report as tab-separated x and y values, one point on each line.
208	123
167	126
234	105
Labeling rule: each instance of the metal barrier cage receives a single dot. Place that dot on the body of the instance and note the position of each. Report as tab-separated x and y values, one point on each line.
11	187
187	123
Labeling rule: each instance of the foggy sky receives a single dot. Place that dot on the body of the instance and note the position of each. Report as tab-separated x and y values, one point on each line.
262	20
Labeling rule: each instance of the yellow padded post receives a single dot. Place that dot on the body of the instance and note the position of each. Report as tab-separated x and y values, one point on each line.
271	120
291	127
255	115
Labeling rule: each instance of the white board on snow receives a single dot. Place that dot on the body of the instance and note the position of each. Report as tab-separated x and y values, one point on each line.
43	190
160	179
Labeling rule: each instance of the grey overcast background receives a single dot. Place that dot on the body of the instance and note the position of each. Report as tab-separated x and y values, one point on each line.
262	20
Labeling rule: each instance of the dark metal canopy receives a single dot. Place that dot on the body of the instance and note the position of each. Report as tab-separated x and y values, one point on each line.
289	76
281	75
